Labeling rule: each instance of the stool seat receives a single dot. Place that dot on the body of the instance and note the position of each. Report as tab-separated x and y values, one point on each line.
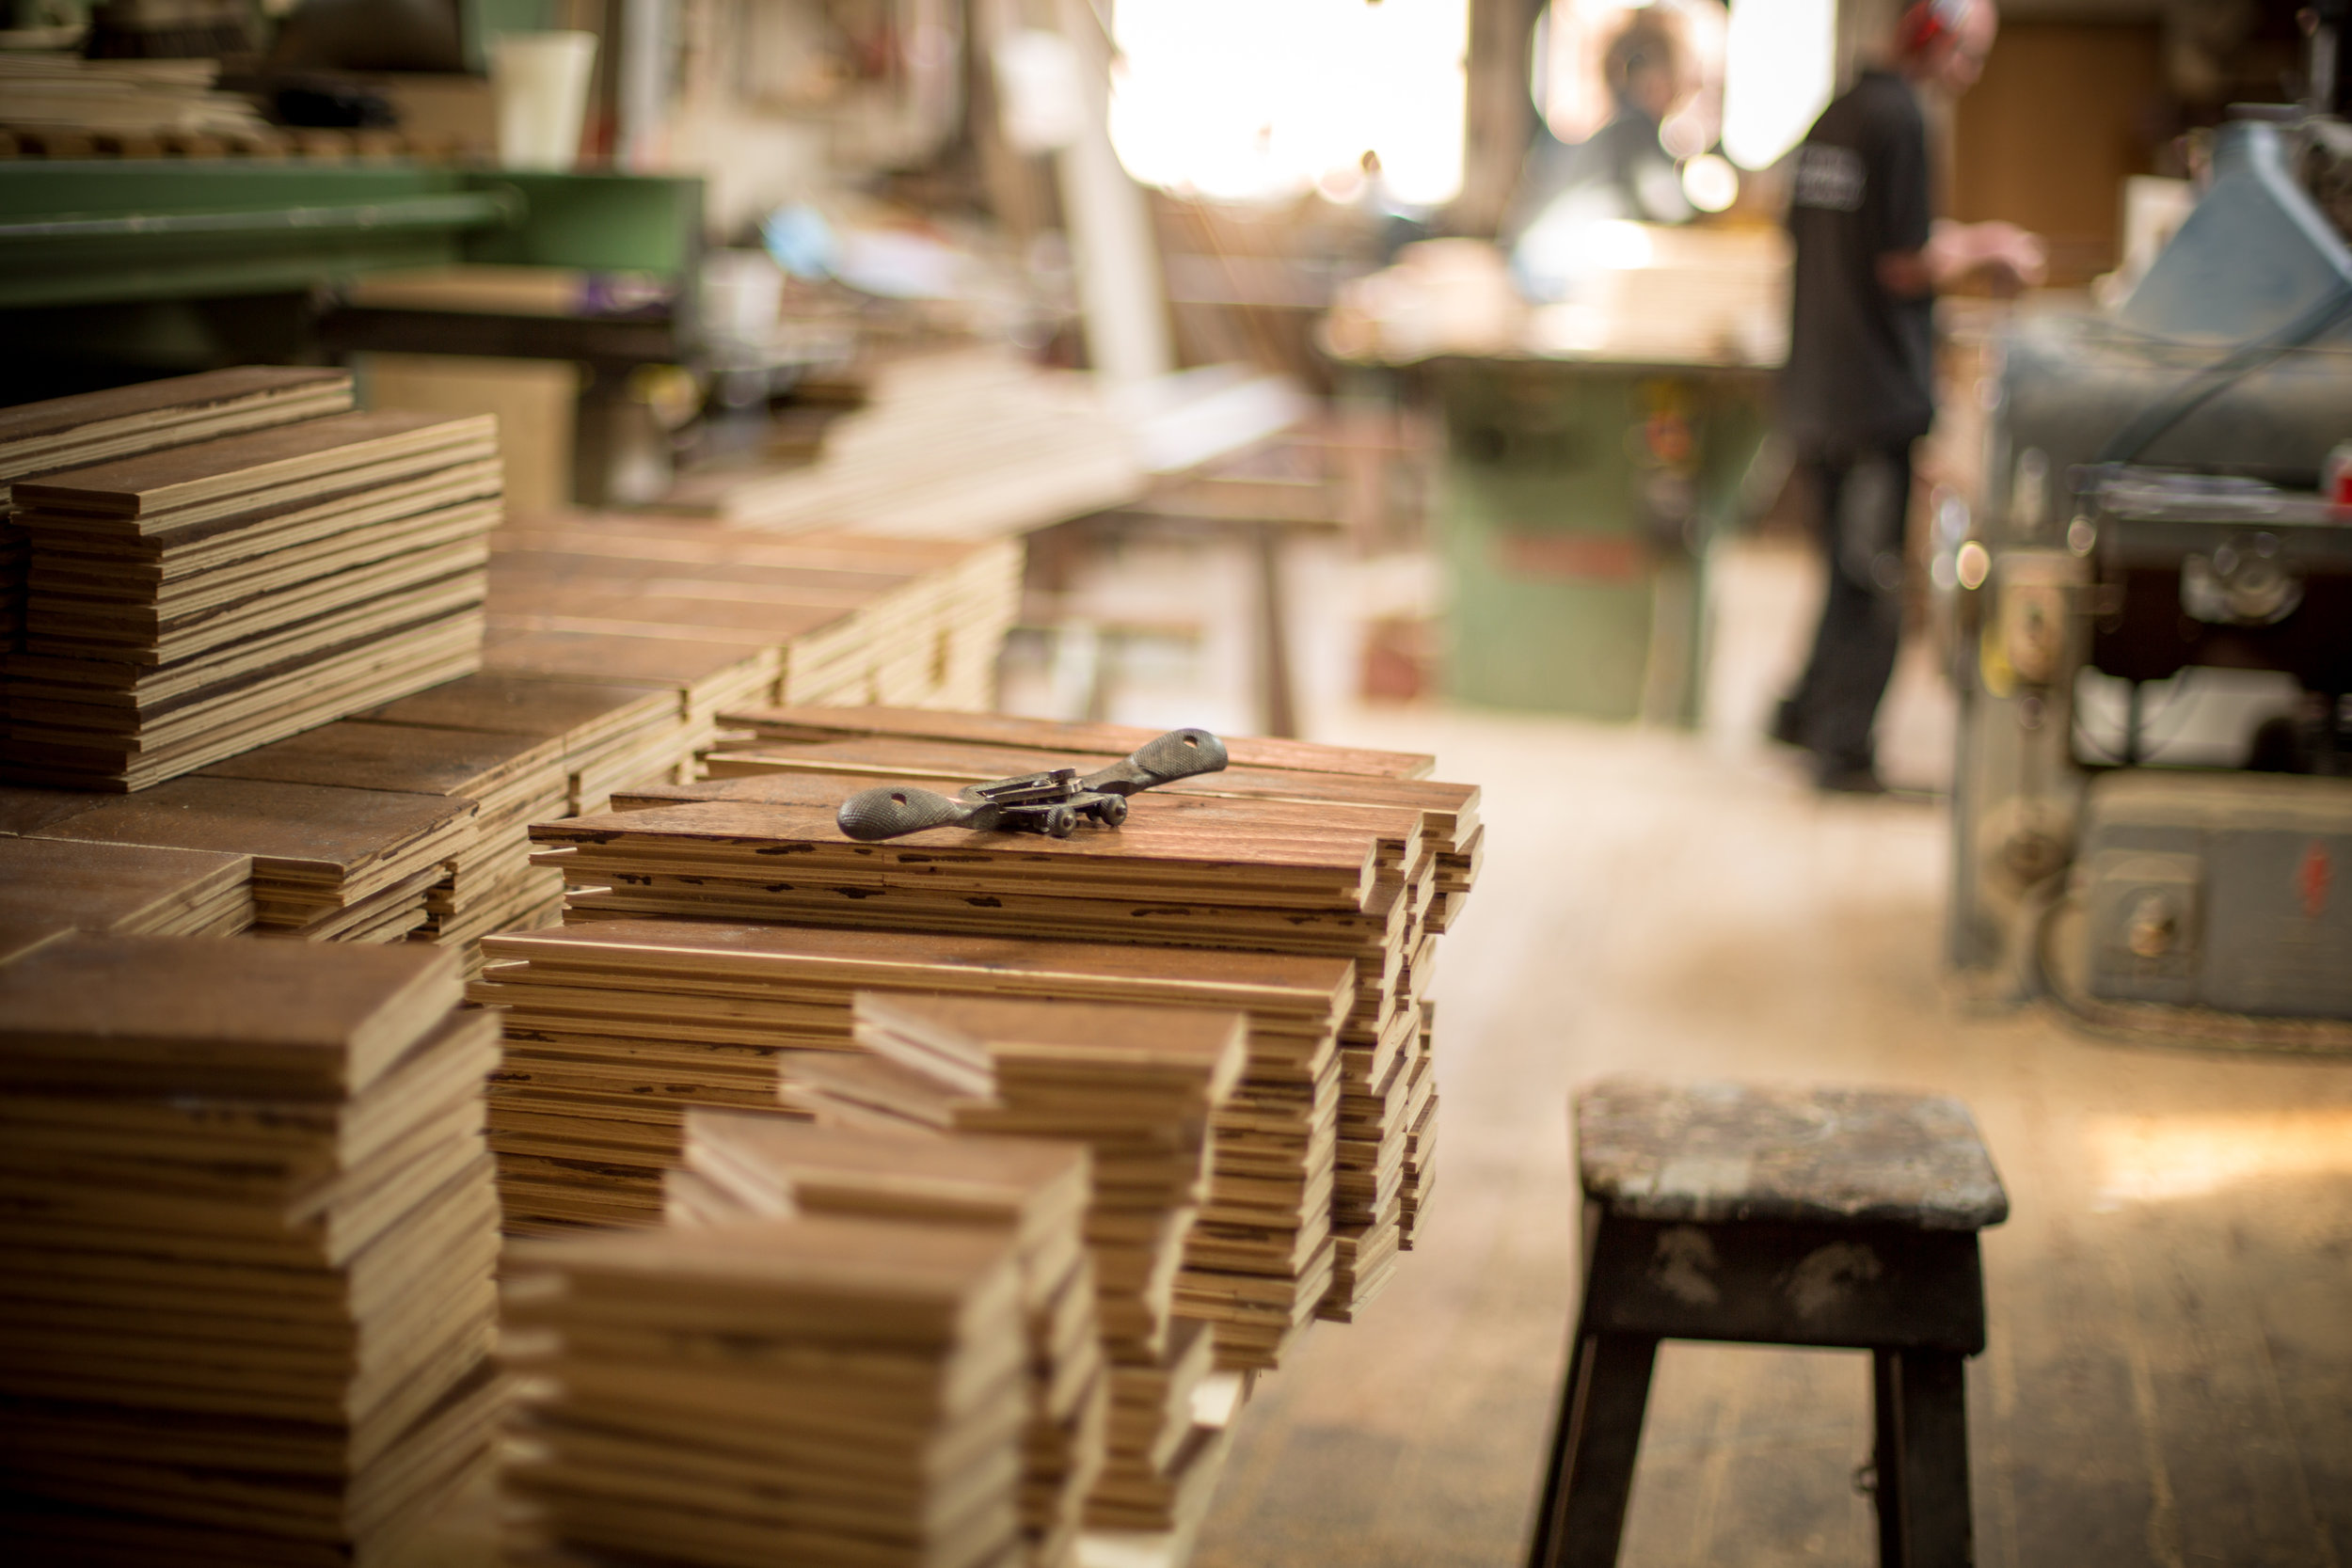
1747	1214
1826	1156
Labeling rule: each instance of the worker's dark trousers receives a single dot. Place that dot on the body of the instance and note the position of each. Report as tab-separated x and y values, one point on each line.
1864	497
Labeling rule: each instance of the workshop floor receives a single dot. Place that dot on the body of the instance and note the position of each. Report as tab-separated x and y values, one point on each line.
2170	1378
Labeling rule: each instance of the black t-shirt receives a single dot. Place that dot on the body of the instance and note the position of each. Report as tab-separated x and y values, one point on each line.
1859	359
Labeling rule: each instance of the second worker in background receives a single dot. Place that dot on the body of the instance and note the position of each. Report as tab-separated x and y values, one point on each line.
1860	385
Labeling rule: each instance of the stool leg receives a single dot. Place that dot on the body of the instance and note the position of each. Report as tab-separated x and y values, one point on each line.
1582	1514
1922	1464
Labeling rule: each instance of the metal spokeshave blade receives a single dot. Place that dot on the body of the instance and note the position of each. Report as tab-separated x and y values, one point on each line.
1053	802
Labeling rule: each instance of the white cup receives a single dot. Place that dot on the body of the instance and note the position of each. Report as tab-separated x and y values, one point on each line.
540	81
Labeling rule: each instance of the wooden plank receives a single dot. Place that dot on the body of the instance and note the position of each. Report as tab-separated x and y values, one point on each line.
111	888
92	747
179	1015
405	758
313	848
26	810
1450	811
681	662
1311	990
95	425
314	452
996	729
1284	861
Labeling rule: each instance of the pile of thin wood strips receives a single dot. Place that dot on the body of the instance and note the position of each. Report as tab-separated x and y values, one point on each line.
245	1267
745	1165
186	604
1223	1001
813	1390
233	575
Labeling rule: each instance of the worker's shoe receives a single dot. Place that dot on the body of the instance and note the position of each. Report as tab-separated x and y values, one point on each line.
1849	778
1788	725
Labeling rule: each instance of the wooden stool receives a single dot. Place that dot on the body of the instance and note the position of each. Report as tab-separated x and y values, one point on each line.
1836	1218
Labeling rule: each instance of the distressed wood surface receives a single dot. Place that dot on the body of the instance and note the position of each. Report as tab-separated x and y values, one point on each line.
1722	1152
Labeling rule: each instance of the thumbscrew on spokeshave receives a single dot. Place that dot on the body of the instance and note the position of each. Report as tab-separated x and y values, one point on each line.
1052	803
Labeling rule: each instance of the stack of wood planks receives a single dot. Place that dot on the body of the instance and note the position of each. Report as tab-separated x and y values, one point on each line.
1171	876
810	1390
615	1026
748	1164
609	732
1141	1087
971	445
489	883
123	890
245	1267
189	604
736	617
330	864
131	105
72	433
1262	1254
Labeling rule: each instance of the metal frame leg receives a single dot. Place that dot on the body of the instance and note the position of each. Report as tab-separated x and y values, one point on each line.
1583	1514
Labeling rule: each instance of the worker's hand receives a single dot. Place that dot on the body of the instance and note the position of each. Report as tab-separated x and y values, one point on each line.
2010	258
2006	257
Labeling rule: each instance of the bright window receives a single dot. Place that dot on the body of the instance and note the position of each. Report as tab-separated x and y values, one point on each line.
1779	63
1260	100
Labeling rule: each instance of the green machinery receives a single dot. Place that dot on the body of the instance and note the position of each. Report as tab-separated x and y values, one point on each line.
1576	501
115	270
110	231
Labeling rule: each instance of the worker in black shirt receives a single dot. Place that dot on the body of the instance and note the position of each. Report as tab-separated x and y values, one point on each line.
1860	384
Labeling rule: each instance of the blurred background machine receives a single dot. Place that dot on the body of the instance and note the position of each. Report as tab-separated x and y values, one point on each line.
1596	441
2153	629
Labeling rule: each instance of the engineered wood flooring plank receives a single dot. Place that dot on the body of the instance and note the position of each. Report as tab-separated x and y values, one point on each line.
622	606
190	1016
57	633
841	723
580	712
308	842
27	810
253	538
126	411
1288	859
180	411
145	492
126	891
1310	986
611	657
1450	811
407	759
